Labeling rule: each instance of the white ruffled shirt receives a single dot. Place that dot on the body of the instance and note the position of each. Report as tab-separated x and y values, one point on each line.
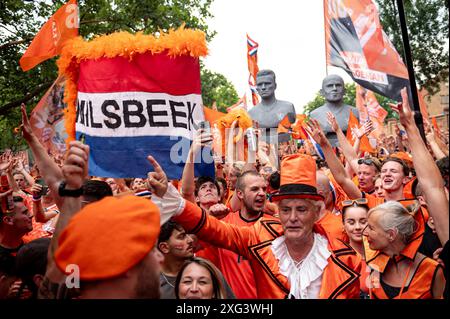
305	278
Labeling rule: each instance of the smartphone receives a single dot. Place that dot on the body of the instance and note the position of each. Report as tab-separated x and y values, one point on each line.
44	190
204	125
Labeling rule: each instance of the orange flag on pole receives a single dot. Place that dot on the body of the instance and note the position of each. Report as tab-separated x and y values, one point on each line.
422	104
61	26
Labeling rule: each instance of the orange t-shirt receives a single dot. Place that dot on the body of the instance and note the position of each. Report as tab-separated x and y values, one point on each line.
230	194
234	267
332	224
373	201
408	189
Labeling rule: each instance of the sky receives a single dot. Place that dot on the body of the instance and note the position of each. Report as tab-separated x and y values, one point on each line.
290	34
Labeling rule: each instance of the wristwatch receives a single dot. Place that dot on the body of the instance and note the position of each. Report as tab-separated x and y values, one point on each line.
62	191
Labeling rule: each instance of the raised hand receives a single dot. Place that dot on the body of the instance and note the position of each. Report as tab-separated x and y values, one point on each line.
403	110
75	169
27	133
36	190
331	119
202	139
18	164
430	134
367	127
315	131
157	180
6	161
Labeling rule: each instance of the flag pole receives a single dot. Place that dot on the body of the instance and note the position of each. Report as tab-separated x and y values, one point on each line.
409	64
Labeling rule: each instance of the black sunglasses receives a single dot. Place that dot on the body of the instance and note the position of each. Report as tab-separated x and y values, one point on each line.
368	161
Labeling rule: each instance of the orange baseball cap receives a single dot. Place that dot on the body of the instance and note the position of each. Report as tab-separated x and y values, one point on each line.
297	178
109	237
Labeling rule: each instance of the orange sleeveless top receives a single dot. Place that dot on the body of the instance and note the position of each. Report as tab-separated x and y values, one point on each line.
420	286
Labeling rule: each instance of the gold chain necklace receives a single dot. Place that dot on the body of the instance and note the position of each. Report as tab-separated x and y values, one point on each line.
167	280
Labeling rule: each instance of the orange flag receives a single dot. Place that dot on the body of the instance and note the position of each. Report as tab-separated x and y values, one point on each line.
61	26
364	144
422	104
298	131
212	115
284	125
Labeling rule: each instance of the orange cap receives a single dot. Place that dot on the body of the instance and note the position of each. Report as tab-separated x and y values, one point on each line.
297	178
109	237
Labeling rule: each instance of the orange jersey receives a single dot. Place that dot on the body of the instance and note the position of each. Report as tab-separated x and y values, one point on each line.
230	194
332	224
373	201
408	189
236	268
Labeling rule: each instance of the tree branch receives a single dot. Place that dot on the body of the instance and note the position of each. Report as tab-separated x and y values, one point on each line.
5	108
96	21
7	45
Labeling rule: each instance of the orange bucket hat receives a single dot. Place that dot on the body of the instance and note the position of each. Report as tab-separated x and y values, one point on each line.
297	178
109	237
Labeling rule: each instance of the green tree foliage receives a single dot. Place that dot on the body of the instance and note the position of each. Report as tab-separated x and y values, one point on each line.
427	22
350	99
216	88
21	20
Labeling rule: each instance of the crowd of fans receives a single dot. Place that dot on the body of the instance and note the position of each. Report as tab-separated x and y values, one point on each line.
350	225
